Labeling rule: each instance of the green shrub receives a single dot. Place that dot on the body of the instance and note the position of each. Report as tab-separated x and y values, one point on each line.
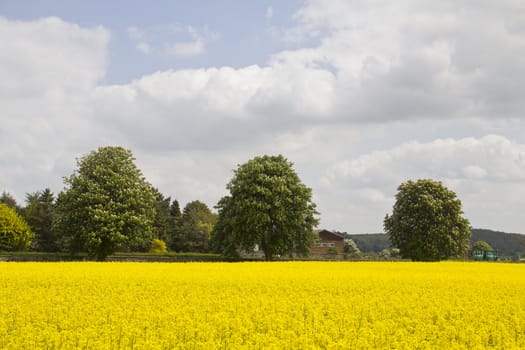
483	246
15	234
332	251
158	246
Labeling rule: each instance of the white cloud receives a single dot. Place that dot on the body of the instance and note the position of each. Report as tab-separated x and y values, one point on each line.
47	55
474	172
492	157
411	59
134	33
269	12
412	79
171	40
47	68
143	47
186	108
481	171
191	48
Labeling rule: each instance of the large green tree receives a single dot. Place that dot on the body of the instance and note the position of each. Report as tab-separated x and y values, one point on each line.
175	211
15	233
427	222
9	200
107	205
195	227
176	240
162	221
39	213
268	206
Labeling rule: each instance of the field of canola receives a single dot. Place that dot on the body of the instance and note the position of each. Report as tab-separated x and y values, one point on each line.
291	305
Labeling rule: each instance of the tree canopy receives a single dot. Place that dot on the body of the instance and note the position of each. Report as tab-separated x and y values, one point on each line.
482	245
427	222
9	200
268	206
107	205
195	227
39	213
162	220
15	233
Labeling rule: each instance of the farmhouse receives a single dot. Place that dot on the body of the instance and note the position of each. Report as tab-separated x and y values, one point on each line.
327	241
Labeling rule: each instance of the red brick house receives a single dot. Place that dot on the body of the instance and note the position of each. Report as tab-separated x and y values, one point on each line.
327	240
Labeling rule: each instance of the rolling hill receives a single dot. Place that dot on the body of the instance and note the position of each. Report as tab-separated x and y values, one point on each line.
507	244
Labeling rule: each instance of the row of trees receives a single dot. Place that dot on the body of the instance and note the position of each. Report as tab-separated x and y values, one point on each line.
37	225
107	206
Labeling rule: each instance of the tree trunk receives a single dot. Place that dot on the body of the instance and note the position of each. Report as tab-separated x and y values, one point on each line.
268	255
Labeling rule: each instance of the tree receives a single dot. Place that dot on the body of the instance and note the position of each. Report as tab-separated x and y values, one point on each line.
224	240
427	222
268	206
9	200
176	241
482	245
351	247
175	211
385	253
15	234
196	225
38	213
162	221
107	205
158	246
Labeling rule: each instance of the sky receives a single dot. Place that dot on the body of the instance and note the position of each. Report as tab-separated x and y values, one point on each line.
360	96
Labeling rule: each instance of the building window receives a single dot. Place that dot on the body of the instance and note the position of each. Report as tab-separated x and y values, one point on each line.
325	244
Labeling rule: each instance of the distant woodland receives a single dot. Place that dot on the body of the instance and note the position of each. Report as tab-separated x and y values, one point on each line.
507	244
107	206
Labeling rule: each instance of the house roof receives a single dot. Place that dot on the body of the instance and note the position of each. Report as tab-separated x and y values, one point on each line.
334	233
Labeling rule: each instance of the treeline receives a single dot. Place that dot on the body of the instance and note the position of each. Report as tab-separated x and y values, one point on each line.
186	230
107	206
506	244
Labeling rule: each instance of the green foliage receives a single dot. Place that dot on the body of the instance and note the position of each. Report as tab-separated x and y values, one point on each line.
507	244
482	245
107	205
175	210
39	213
195	227
9	200
175	237
225	239
268	206
385	254
332	251
15	233
427	223
371	242
162	220
158	246
395	252
351	247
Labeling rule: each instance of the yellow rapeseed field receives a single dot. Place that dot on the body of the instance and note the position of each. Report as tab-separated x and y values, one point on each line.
282	305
